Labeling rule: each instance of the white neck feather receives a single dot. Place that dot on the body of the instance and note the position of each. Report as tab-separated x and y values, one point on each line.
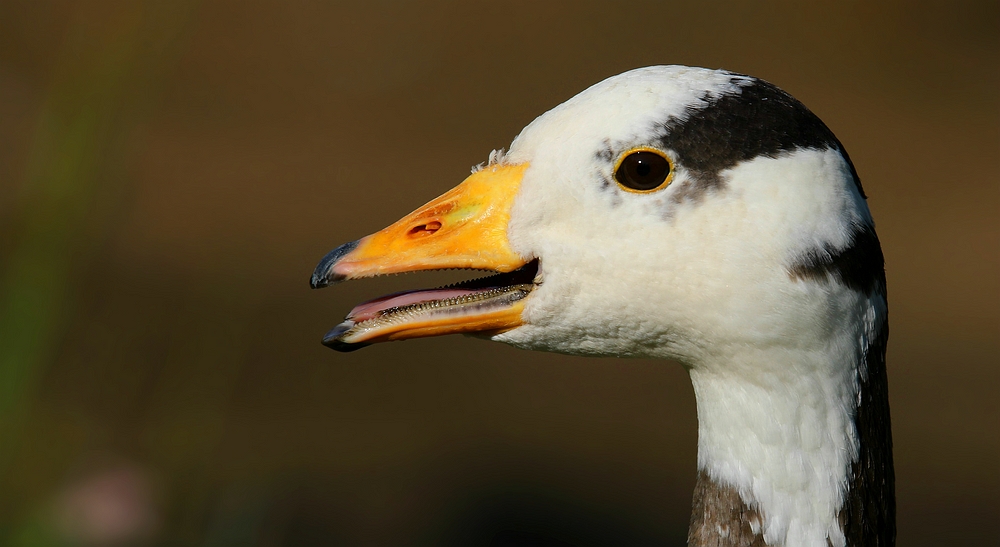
777	424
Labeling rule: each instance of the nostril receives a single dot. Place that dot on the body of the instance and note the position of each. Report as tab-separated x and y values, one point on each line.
425	229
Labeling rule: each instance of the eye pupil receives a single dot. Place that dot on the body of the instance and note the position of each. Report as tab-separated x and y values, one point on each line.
643	170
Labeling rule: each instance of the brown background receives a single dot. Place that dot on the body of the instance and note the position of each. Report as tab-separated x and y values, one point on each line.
170	173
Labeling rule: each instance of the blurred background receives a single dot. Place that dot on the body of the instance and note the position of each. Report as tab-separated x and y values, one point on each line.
171	172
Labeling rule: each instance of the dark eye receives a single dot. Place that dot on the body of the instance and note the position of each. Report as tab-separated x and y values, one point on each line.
643	171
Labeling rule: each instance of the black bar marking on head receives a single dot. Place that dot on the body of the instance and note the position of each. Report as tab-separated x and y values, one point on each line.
860	265
758	120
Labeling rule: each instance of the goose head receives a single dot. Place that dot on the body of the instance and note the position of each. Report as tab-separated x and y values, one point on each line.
683	213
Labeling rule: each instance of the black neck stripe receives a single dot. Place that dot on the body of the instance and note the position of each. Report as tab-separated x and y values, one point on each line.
868	516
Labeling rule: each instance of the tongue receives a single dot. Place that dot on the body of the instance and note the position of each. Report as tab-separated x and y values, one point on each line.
371	308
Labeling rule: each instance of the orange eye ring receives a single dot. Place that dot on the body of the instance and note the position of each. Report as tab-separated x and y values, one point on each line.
644	170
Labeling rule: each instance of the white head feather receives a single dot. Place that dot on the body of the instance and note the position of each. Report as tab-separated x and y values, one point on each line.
705	276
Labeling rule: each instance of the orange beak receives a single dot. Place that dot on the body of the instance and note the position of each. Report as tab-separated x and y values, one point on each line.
464	228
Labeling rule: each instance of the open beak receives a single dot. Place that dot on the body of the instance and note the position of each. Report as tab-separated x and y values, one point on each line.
465	228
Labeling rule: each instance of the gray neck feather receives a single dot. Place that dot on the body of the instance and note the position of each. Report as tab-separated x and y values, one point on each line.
720	518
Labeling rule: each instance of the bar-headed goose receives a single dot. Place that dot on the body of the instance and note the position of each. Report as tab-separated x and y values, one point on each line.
688	214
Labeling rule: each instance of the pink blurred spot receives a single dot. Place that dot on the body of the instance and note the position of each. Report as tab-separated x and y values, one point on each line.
110	507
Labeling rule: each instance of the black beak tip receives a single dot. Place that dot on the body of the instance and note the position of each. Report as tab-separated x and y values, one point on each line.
320	280
344	347
323	275
332	339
